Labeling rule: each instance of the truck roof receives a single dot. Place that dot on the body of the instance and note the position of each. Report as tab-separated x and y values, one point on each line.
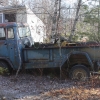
13	8
7	24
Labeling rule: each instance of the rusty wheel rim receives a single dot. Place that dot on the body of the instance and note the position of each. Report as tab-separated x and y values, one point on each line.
79	74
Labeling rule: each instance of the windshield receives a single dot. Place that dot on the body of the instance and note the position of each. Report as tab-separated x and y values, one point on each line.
24	31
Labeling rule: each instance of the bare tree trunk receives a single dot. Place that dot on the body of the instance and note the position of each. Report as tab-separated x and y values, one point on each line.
99	21
56	17
75	21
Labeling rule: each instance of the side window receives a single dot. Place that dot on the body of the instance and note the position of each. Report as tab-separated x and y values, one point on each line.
2	34
10	33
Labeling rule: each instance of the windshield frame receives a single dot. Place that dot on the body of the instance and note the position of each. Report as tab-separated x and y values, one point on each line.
4	34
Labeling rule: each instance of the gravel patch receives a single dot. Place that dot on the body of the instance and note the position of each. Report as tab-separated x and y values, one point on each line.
26	86
29	87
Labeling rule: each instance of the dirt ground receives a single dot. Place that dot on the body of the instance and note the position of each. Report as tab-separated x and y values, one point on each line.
29	87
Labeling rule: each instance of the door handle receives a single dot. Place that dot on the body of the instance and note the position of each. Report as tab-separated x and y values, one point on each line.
5	43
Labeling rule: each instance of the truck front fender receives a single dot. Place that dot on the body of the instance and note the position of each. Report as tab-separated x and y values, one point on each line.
89	60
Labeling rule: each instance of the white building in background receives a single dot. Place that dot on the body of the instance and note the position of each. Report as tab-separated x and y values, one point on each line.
23	14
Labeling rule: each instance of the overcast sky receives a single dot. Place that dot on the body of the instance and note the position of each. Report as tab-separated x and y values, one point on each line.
70	1
89	2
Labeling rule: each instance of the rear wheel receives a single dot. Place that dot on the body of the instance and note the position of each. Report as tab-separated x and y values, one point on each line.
79	72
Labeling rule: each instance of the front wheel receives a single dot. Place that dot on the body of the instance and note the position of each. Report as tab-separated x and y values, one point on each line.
79	72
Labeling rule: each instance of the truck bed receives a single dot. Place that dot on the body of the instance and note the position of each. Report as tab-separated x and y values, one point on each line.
48	56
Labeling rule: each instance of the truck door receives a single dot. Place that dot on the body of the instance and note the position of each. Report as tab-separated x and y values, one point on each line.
3	43
12	47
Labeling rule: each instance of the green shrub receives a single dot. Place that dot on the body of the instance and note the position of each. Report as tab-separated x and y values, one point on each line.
3	71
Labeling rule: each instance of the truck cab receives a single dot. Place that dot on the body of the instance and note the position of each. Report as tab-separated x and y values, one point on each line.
13	38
